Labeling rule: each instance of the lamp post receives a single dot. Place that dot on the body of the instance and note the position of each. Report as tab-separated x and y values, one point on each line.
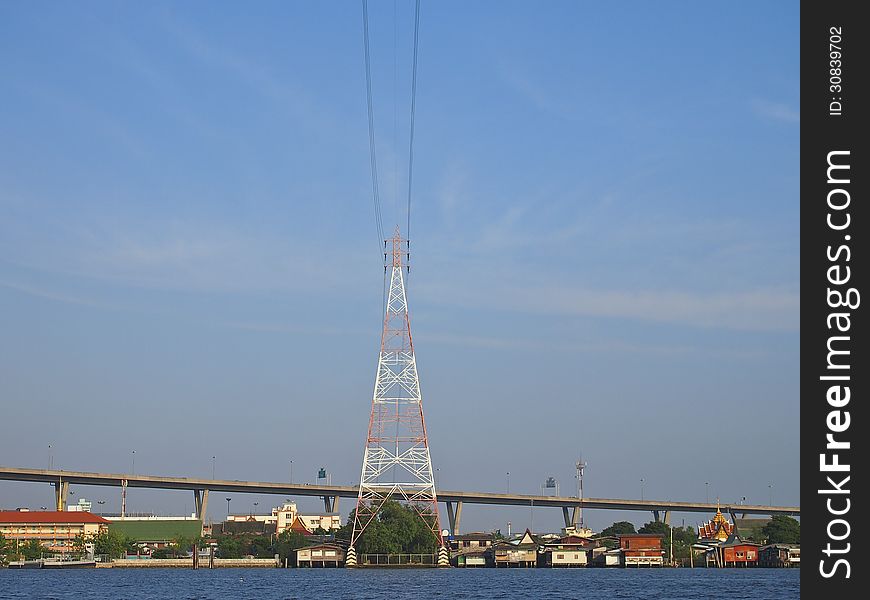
212	467
50	458
228	508
133	463
770	494
508	482
641	489
707	491
100	503
291	470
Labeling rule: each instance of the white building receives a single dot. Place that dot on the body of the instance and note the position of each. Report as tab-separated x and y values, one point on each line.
83	505
287	516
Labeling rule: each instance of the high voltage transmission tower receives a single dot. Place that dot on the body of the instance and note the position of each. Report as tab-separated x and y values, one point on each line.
396	463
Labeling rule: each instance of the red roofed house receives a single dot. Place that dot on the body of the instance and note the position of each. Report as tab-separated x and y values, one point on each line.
56	530
738	553
641	550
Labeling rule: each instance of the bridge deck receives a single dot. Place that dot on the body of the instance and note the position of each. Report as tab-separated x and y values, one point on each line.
345	491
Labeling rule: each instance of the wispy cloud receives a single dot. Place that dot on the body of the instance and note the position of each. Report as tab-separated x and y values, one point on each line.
103	121
597	347
775	111
179	255
294	329
256	74
528	88
56	296
751	310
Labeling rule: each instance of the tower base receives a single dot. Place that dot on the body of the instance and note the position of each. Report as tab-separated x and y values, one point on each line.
443	557
350	558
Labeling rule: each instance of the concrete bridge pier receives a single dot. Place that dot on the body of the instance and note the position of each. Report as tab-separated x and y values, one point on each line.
200	501
453	516
657	515
571	515
61	493
330	504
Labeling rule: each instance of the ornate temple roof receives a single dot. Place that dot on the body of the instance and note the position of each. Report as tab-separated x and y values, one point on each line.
718	528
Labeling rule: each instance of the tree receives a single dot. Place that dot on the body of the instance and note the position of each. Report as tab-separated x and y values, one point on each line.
618	528
4	546
684	538
782	530
260	546
32	550
182	545
112	543
229	547
656	528
288	541
397	529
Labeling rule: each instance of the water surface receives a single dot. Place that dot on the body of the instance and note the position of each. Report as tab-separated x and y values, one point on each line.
267	584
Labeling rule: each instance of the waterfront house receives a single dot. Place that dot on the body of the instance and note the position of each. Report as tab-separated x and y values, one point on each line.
605	557
641	550
569	551
471	541
779	555
320	555
737	553
521	552
733	552
472	549
474	558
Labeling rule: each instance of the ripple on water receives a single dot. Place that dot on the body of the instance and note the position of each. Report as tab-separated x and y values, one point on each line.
493	584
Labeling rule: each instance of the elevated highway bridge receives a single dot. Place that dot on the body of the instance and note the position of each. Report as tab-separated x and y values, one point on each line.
454	500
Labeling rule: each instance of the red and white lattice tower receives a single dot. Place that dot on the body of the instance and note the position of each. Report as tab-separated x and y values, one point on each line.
396	463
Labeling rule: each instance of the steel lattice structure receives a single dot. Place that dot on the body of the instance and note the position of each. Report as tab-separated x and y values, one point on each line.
396	463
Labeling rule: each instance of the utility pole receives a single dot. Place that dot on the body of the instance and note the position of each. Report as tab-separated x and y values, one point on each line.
581	467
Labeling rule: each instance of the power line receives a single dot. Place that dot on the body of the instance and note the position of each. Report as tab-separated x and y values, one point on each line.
413	113
376	200
396	110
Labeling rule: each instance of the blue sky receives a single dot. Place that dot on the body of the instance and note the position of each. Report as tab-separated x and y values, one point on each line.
604	227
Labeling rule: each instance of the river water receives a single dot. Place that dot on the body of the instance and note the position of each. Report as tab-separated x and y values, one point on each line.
593	584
